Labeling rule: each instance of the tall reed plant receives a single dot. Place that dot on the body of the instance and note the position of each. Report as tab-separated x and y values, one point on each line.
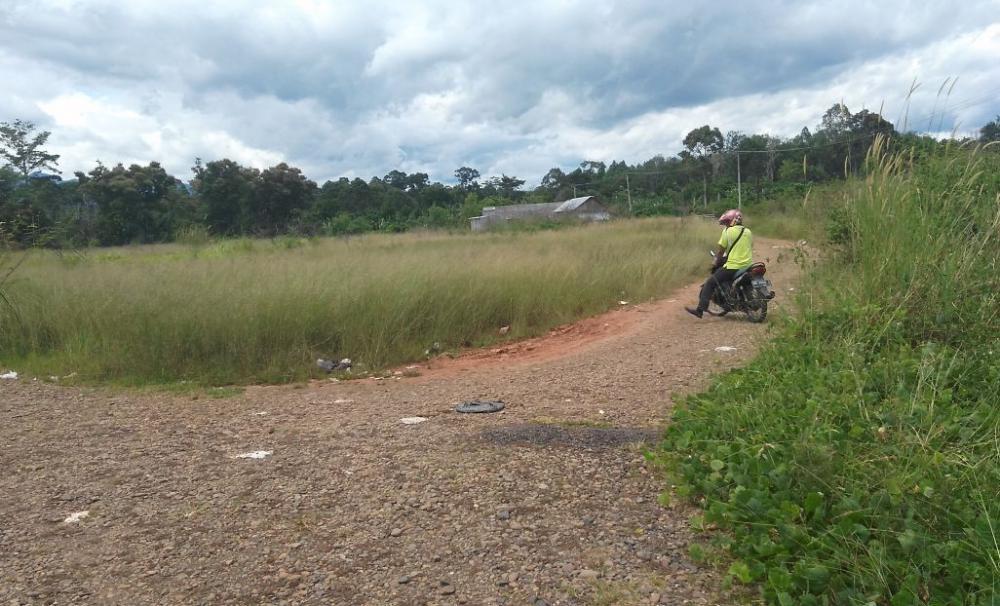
857	460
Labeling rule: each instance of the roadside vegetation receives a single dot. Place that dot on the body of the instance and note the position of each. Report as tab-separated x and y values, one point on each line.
217	312
857	459
115	204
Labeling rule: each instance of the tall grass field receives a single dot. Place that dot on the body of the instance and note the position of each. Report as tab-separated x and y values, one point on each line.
240	311
857	460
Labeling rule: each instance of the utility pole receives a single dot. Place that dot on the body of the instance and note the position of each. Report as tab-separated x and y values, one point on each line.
574	190
739	184
628	189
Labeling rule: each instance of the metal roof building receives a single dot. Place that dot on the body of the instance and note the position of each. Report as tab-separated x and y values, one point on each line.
585	208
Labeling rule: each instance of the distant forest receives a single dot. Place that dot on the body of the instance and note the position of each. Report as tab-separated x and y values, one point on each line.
144	204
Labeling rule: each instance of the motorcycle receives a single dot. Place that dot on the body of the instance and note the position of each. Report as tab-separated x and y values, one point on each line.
749	293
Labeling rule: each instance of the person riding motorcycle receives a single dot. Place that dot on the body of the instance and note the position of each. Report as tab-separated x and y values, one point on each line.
734	252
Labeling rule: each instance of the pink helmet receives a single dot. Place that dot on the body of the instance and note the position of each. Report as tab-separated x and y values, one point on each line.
731	217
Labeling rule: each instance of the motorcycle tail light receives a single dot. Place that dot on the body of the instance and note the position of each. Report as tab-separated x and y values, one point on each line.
758	270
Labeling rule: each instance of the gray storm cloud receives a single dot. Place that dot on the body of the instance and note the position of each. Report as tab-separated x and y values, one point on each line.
343	88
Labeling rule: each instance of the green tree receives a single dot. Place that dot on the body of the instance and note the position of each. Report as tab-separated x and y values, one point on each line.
791	170
417	182
701	144
704	141
836	120
593	168
990	131
557	185
472	206
282	193
8	181
397	179
467	177
227	191
437	216
508	185
554	179
23	150
22	222
437	194
137	204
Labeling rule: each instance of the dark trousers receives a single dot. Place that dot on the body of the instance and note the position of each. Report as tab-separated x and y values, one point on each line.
721	276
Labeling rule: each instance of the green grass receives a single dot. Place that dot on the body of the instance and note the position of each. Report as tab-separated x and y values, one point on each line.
242	311
857	459
797	218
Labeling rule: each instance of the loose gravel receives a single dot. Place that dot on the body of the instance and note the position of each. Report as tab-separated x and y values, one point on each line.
548	502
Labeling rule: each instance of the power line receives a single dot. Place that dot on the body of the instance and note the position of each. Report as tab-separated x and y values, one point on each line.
802	148
964	104
776	150
967	103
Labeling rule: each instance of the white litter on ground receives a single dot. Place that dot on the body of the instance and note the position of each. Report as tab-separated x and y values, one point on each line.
412	420
9	375
76	517
342	401
261	413
623	302
257	454
725	348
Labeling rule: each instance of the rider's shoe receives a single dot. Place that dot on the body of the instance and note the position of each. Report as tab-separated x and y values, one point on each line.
694	311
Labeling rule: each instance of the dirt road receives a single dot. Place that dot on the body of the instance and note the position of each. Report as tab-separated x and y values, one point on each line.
547	502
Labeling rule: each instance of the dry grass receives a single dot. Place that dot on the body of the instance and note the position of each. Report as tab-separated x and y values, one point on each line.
238	311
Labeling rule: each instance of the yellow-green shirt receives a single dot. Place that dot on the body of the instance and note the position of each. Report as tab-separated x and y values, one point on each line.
742	254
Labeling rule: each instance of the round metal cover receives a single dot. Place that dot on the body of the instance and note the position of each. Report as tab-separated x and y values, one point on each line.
480	406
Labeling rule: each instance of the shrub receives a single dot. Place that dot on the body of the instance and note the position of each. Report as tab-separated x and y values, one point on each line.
193	235
855	461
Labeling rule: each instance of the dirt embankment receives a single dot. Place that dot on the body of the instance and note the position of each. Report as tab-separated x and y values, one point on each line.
547	502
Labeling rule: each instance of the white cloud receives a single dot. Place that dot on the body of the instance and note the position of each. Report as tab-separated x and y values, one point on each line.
87	129
882	83
358	89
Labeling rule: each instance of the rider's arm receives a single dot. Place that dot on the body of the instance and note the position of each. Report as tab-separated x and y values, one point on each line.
719	251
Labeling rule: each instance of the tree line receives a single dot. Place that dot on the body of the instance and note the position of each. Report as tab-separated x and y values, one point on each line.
144	204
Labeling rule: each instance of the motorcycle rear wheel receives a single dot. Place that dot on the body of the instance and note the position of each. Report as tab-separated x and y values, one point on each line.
757	311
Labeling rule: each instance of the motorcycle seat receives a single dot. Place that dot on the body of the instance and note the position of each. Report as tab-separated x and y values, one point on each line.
745	270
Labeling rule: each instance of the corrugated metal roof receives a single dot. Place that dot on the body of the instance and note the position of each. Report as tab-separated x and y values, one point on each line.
573	204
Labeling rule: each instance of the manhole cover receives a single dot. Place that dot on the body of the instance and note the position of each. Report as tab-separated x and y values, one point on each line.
480	406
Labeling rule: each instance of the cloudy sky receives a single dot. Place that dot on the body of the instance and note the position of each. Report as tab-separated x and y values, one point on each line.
358	88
